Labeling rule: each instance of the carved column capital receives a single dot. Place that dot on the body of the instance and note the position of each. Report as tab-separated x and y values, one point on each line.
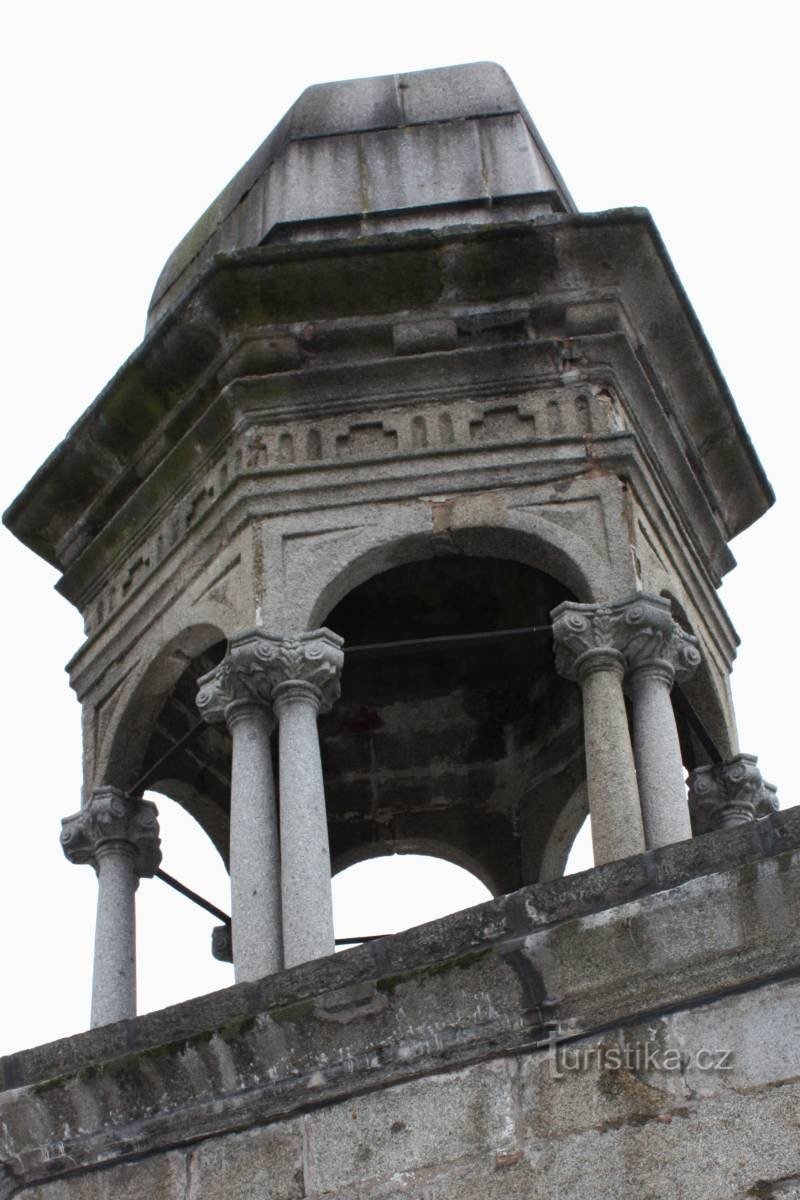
111	821
258	663
585	634
639	632
731	793
311	661
222	943
238	681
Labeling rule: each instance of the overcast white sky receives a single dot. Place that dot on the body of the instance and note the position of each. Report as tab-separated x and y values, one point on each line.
123	122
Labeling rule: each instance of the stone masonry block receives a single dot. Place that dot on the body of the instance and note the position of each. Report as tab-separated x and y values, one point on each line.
264	1163
161	1177
435	1120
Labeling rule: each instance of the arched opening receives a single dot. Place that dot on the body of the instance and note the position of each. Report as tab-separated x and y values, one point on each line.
384	895
700	717
174	960
469	750
581	853
159	742
194	767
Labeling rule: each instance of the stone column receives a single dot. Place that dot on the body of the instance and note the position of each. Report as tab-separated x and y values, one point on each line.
731	793
119	837
305	677
657	652
237	691
587	648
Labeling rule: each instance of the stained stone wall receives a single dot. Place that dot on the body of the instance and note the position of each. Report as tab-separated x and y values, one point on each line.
425	1065
426	355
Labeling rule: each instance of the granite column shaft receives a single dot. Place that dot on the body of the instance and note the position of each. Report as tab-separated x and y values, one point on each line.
254	851
657	751
610	772
118	835
305	853
114	974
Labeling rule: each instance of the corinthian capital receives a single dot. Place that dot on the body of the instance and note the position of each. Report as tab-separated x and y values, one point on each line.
257	663
313	658
731	793
112	817
241	676
637	632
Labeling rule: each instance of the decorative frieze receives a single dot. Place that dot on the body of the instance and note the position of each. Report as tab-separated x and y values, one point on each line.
731	793
263	446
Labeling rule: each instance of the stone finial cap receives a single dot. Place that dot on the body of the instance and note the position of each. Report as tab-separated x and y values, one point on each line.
387	145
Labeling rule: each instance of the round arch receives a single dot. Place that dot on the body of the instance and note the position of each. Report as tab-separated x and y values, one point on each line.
565	829
702	691
463	750
428	847
383	895
122	750
524	537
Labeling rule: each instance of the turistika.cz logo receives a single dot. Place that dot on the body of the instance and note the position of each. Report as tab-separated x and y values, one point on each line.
566	1058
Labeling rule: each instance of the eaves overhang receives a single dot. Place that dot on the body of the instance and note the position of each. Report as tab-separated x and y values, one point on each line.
294	301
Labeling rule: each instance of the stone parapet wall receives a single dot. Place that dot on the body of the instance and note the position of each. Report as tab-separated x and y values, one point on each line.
528	1126
454	1060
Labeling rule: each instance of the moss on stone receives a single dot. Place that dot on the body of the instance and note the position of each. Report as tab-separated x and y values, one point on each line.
293	1012
461	962
236	1027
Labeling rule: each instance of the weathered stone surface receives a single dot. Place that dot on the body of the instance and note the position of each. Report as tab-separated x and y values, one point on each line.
461	934
265	1162
111	817
162	1177
365	147
730	793
453	1022
529	1126
317	447
391	342
429	1122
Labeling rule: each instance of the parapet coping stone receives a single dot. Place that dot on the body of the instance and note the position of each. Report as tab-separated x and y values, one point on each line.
517	915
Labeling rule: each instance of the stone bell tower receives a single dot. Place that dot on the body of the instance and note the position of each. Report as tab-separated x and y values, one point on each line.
402	532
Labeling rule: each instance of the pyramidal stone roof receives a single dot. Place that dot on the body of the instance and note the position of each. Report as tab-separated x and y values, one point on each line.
391	153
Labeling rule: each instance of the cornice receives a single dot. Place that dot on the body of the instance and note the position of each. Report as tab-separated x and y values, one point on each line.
320	306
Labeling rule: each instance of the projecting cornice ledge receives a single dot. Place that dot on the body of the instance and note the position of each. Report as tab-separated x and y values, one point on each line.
319	303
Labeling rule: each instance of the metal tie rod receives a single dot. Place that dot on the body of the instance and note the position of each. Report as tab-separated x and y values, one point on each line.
444	642
172	882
